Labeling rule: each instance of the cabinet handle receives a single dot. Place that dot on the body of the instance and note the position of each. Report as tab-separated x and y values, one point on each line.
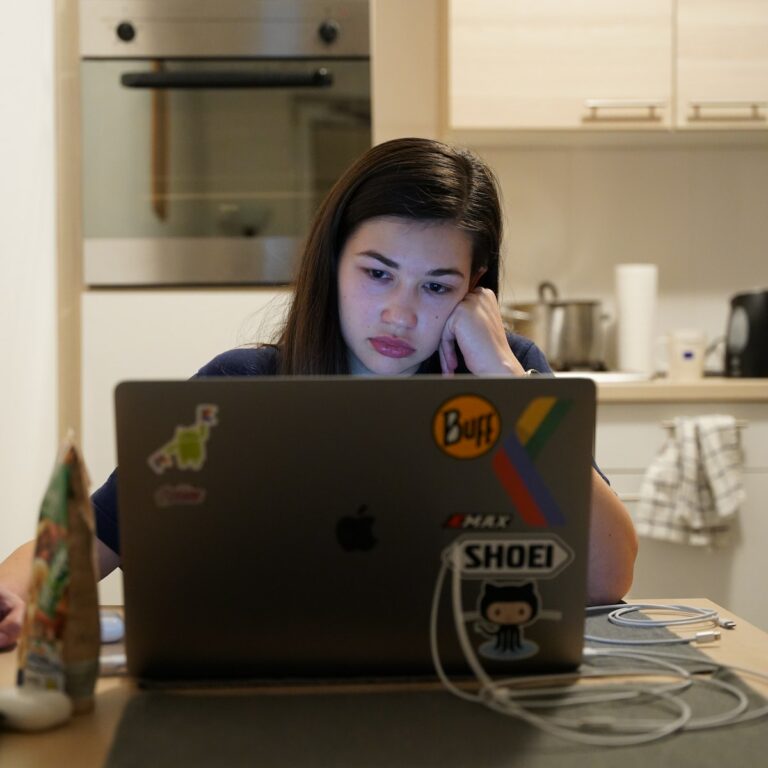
754	108
593	105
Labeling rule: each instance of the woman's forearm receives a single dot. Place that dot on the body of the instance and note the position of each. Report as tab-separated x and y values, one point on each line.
16	569
612	546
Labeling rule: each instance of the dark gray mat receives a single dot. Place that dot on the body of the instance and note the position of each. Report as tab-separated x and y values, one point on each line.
387	729
599	626
403	729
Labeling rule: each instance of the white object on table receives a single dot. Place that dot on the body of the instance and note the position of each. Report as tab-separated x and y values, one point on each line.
112	627
636	286
26	709
686	351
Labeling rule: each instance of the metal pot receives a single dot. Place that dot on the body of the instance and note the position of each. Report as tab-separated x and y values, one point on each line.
571	334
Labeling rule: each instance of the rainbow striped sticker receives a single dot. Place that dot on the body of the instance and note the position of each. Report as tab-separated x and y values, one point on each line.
514	467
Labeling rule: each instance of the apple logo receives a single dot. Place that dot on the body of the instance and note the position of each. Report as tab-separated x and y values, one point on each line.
356	533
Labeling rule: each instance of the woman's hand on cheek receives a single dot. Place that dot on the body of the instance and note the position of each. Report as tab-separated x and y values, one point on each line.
475	325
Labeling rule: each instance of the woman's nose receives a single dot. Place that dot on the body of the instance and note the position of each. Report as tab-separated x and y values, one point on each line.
400	313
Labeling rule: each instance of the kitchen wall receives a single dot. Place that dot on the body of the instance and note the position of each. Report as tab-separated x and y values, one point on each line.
696	210
577	204
573	211
28	384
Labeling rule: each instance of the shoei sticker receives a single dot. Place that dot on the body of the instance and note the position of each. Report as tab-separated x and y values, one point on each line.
186	449
521	557
504	610
466	427
513	462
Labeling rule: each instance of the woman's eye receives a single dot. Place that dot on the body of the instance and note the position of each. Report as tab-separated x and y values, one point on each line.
377	274
438	288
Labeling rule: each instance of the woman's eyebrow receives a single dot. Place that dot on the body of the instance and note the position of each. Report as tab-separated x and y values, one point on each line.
394	265
383	259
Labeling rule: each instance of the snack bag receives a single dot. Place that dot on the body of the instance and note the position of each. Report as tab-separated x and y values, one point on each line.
60	641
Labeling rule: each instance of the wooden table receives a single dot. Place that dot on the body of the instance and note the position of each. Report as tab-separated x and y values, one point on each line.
85	741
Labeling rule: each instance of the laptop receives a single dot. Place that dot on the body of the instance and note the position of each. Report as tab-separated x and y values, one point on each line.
353	528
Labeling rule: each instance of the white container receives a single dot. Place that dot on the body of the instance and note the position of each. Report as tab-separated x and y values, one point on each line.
686	351
636	287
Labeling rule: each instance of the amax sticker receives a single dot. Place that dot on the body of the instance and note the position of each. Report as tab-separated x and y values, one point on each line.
466	427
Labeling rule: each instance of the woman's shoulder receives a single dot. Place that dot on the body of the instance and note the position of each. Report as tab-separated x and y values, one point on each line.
243	361
529	355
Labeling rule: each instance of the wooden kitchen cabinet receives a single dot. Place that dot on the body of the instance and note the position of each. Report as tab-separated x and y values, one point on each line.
722	64
524	64
607	64
629	436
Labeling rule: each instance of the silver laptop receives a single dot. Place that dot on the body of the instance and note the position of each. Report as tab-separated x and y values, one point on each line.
300	528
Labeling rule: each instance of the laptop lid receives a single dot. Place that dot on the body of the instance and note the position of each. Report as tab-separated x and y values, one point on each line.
301	527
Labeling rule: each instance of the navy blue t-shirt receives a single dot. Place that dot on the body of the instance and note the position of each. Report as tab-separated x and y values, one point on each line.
262	361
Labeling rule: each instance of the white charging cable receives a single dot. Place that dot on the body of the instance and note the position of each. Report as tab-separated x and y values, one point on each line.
510	696
687	615
713	666
506	700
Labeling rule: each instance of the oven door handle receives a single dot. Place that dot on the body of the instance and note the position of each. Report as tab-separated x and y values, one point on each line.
320	78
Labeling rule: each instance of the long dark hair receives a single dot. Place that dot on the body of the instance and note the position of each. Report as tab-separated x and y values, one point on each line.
411	178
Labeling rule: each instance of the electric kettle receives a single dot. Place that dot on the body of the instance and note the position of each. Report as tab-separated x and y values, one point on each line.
746	339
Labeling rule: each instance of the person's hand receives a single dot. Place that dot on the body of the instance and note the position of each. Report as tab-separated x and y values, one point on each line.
11	618
475	325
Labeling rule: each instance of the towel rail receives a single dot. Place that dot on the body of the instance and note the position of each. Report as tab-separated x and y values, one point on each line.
738	423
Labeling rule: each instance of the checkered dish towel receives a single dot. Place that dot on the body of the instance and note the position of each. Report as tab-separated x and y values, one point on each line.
692	490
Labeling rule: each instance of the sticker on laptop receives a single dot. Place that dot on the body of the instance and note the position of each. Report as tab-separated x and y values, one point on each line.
466	427
504	611
187	448
179	495
477	522
519	557
513	463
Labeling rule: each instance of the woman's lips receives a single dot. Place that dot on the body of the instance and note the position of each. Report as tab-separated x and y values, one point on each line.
390	347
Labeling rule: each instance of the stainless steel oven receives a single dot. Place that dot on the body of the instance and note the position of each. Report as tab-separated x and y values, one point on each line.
211	131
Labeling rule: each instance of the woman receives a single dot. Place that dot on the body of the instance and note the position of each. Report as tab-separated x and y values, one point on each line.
399	276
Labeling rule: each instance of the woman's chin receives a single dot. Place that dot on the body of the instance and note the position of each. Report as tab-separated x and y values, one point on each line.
384	366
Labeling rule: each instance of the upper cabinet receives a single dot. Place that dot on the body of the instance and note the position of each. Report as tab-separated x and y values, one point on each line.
722	64
560	64
607	64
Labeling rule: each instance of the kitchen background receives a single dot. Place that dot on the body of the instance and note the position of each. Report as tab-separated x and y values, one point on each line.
578	202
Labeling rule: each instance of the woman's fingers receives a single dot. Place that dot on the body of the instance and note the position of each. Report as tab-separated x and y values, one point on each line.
479	332
447	349
11	618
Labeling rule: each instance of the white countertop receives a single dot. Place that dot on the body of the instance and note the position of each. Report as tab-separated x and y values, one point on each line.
616	387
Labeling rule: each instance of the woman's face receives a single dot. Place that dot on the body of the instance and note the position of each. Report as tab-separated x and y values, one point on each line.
399	280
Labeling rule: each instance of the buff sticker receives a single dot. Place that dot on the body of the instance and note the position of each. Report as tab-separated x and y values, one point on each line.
187	448
179	495
466	427
514	466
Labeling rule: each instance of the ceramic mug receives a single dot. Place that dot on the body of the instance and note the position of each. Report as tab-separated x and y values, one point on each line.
686	352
